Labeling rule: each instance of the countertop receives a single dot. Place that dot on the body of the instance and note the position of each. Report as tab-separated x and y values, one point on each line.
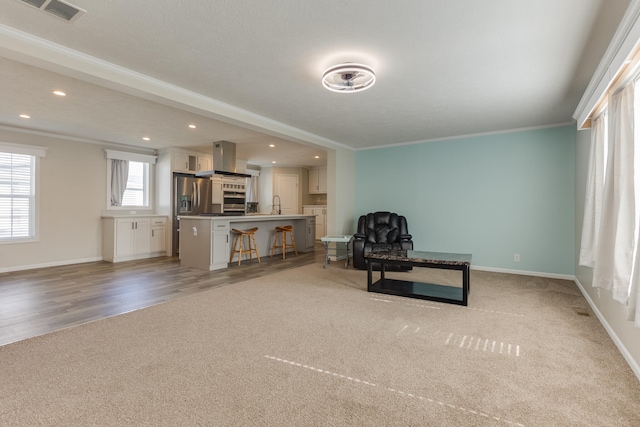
140	215
247	218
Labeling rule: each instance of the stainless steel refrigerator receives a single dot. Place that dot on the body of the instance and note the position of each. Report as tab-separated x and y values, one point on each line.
192	196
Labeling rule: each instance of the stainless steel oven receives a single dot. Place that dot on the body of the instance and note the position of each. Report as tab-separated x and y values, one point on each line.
234	192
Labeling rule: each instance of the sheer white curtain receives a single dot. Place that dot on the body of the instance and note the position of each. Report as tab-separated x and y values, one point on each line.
595	189
618	229
634	290
119	177
252	190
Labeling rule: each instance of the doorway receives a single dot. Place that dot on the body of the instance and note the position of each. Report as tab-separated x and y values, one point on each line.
286	187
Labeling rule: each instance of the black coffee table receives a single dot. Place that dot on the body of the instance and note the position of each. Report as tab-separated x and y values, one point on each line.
428	291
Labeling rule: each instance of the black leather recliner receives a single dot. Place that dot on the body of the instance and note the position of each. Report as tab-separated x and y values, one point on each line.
380	231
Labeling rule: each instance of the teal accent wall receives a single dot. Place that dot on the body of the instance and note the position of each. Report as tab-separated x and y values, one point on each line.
492	196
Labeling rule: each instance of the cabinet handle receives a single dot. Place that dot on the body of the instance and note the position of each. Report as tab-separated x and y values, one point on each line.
153	233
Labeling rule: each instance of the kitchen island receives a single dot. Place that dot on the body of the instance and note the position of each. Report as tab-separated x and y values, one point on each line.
205	241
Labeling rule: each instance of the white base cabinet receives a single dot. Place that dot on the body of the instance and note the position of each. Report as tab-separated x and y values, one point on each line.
158	235
311	232
220	237
320	213
129	238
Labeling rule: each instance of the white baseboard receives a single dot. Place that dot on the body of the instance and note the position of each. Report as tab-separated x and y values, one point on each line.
49	264
633	364
524	273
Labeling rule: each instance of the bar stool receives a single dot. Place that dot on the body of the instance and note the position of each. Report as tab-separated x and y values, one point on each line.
251	249
283	231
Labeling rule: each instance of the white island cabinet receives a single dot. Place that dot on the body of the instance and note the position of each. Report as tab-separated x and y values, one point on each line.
205	241
128	237
320	212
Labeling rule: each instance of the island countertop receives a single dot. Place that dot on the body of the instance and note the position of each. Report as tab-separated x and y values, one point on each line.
245	218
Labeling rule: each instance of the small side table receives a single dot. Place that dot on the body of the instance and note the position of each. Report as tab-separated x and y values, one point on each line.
344	240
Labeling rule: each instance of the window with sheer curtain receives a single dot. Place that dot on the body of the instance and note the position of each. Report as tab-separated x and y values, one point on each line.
611	227
128	180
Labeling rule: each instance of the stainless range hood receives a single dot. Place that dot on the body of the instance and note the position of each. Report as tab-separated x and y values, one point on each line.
224	161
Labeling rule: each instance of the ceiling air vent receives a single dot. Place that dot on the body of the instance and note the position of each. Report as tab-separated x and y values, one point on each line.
57	8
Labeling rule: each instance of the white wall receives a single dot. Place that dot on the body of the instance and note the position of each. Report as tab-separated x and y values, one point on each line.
71	196
610	312
341	217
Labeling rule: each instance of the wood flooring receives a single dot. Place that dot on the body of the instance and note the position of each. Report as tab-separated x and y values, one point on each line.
36	302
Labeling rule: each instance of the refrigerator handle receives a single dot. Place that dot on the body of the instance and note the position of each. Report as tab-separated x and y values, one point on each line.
194	195
198	195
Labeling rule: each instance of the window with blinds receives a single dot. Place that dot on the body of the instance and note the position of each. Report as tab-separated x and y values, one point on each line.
17	196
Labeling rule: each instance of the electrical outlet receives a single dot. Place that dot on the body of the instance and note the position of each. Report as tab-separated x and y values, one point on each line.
516	257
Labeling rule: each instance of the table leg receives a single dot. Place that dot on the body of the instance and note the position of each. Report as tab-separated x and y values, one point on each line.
465	284
346	248
326	254
369	275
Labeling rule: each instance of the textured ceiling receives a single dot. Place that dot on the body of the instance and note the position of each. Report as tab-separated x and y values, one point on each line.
444	69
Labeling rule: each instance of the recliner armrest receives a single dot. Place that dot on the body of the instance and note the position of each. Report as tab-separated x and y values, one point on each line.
359	236
405	237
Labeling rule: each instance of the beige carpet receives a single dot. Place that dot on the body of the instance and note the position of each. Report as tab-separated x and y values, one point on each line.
310	346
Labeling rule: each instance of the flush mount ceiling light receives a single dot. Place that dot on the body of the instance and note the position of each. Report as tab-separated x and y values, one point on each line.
348	78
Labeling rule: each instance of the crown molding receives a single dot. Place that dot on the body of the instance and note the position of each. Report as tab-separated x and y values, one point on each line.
32	50
624	42
68	137
470	135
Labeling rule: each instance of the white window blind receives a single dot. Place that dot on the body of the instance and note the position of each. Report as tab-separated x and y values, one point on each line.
17	196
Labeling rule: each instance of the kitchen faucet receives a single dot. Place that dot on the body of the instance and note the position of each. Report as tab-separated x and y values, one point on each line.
276	207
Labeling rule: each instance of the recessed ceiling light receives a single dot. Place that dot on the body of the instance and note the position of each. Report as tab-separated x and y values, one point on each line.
146	138
316	157
25	116
59	93
273	161
192	126
272	145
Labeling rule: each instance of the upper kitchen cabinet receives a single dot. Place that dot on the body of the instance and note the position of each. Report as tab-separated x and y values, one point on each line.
183	162
204	163
190	162
318	181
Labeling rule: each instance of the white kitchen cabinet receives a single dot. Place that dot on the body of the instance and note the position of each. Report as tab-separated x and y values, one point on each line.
190	162
158	235
220	243
311	232
129	238
204	163
318	181
184	162
321	219
133	236
217	192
